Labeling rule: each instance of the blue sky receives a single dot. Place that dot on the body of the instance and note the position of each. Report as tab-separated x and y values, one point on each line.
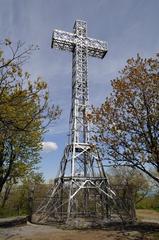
128	26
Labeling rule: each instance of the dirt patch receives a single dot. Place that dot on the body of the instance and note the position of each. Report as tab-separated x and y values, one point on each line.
140	231
41	232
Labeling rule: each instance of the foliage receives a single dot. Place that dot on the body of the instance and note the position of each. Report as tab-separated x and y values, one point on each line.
130	180
126	125
24	114
22	195
149	202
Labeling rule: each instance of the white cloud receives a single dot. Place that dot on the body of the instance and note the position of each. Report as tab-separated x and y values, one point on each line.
49	146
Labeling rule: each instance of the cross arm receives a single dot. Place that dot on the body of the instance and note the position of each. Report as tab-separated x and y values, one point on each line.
96	48
63	40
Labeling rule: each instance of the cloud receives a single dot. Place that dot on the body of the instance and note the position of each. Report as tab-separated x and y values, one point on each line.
49	146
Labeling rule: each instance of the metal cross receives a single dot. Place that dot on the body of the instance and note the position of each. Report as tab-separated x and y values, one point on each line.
81	188
82	183
81	46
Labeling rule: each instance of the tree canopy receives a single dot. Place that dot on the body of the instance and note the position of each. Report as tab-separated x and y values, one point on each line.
126	125
24	113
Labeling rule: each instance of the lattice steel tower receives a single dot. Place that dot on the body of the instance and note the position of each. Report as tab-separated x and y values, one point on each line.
81	187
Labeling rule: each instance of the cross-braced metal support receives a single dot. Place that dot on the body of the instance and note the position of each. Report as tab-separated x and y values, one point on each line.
81	188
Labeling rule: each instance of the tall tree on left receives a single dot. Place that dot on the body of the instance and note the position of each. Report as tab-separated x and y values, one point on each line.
24	113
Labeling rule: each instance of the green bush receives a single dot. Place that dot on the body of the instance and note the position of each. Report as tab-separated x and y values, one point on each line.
150	202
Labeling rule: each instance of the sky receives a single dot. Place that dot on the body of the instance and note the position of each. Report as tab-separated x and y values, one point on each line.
128	26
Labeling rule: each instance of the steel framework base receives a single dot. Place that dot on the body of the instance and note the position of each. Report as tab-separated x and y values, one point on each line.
78	196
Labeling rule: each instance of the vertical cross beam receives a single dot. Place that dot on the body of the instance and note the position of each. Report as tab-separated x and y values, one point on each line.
78	124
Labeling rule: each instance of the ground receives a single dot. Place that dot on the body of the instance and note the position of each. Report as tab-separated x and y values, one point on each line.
38	232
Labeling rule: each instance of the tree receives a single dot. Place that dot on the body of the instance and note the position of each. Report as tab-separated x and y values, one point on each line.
126	125
130	187
24	114
27	195
22	196
130	179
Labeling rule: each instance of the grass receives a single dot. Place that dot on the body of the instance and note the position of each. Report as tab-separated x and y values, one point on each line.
147	215
155	236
